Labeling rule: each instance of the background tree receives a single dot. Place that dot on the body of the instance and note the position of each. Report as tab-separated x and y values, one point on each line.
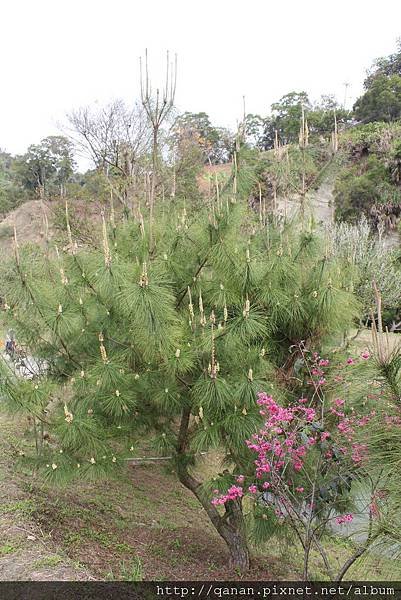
216	143
47	166
187	160
381	101
388	66
116	138
287	114
157	109
321	116
12	193
112	136
382	98
259	132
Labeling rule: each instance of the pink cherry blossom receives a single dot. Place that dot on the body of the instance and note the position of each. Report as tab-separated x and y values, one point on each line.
233	493
344	519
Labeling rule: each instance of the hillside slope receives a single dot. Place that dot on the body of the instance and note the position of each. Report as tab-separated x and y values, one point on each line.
27	552
28	220
34	221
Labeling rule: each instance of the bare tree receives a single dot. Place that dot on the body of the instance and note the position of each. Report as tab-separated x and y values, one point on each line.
157	108
114	137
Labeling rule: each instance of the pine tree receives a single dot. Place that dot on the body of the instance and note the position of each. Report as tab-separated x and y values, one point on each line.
173	344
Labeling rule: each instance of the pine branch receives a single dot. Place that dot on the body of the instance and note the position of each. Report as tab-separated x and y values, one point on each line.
184	291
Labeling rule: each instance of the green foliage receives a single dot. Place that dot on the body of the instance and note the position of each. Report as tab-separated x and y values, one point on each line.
287	114
132	571
369	183
196	131
366	259
382	101
143	316
356	192
7	549
321	117
11	192
48	165
376	137
285	120
388	65
172	344
376	385
382	98
264	524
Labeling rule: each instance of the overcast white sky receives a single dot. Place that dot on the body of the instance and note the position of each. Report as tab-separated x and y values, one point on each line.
61	54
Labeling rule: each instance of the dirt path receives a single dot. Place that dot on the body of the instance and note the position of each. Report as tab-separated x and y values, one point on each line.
26	552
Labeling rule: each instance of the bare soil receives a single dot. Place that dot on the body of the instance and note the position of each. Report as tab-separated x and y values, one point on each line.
98	530
29	221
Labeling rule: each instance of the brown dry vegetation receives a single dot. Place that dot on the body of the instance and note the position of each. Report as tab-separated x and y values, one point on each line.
28	220
207	177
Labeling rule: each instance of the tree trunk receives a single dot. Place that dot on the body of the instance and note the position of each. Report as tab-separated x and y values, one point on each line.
153	189
230	526
234	534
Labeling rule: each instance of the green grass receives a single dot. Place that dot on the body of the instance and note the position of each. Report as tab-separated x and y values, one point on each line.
48	561
73	539
159	550
122	547
164	523
26	507
132	571
128	571
176	543
6	232
7	549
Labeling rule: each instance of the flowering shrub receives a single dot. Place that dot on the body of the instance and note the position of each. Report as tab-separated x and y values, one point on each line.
233	493
344	519
294	437
307	455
